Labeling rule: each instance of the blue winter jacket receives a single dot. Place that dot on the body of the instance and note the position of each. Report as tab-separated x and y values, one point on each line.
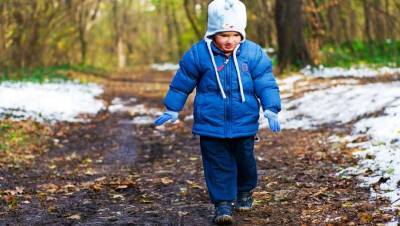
215	116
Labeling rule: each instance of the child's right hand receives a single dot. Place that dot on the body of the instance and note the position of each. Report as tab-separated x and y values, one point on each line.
166	116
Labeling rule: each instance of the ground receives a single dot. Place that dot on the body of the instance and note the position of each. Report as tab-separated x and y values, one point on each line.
111	172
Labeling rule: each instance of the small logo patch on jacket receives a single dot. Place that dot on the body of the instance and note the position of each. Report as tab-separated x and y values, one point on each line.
245	67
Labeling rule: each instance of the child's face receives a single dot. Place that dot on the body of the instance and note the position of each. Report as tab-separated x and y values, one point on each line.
227	41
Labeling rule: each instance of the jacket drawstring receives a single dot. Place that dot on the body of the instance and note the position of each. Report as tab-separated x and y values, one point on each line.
238	73
215	68
208	41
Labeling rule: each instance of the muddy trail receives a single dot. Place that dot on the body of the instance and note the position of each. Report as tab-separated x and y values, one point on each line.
112	172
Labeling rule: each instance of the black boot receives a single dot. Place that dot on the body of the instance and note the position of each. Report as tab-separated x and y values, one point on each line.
223	213
244	201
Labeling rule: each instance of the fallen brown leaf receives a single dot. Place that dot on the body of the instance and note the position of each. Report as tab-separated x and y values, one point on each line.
166	181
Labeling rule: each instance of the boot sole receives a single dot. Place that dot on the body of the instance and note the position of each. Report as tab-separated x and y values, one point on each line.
223	220
243	209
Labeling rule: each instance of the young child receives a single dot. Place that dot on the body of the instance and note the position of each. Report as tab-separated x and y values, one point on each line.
232	77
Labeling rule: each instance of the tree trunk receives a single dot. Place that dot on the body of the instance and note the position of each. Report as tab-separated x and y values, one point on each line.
263	24
121	50
82	32
178	32
379	21
317	31
367	14
190	16
121	54
33	55
16	48
170	29
289	23
3	25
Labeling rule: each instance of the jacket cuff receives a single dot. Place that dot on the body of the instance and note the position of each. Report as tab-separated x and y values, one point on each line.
174	101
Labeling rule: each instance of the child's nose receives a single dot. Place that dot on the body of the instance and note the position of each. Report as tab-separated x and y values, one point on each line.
231	39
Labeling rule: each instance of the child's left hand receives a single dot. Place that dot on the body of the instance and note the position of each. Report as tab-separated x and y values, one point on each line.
273	121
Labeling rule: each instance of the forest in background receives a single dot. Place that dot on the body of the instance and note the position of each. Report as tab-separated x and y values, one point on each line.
84	149
124	34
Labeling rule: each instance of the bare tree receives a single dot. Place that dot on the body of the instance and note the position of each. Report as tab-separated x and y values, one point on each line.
261	26
119	18
196	19
86	13
3	38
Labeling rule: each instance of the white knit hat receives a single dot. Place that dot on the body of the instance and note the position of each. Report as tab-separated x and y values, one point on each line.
226	15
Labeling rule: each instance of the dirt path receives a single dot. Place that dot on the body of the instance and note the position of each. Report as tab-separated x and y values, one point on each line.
110	172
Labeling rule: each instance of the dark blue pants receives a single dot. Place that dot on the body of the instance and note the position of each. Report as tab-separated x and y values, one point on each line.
229	167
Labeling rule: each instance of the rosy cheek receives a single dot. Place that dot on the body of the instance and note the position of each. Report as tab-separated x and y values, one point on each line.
221	41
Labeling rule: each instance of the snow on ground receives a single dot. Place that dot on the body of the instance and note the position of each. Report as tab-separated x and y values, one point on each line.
375	109
143	120
380	156
327	72
118	104
385	128
288	83
286	86
340	104
142	115
49	101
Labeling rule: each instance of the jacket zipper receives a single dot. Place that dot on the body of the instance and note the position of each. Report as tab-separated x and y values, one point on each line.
223	65
226	112
228	102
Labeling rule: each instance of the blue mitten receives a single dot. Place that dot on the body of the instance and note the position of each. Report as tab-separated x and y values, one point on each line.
273	121
166	116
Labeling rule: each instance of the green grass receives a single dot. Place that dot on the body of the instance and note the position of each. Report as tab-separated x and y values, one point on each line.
45	74
20	141
10	137
360	53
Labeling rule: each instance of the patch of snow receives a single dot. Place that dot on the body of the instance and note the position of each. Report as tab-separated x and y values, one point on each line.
359	72
143	120
165	67
118	100
118	105
340	104
343	104
385	128
49	101
381	154
143	115
392	223
287	84
141	109
376	137
378	164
